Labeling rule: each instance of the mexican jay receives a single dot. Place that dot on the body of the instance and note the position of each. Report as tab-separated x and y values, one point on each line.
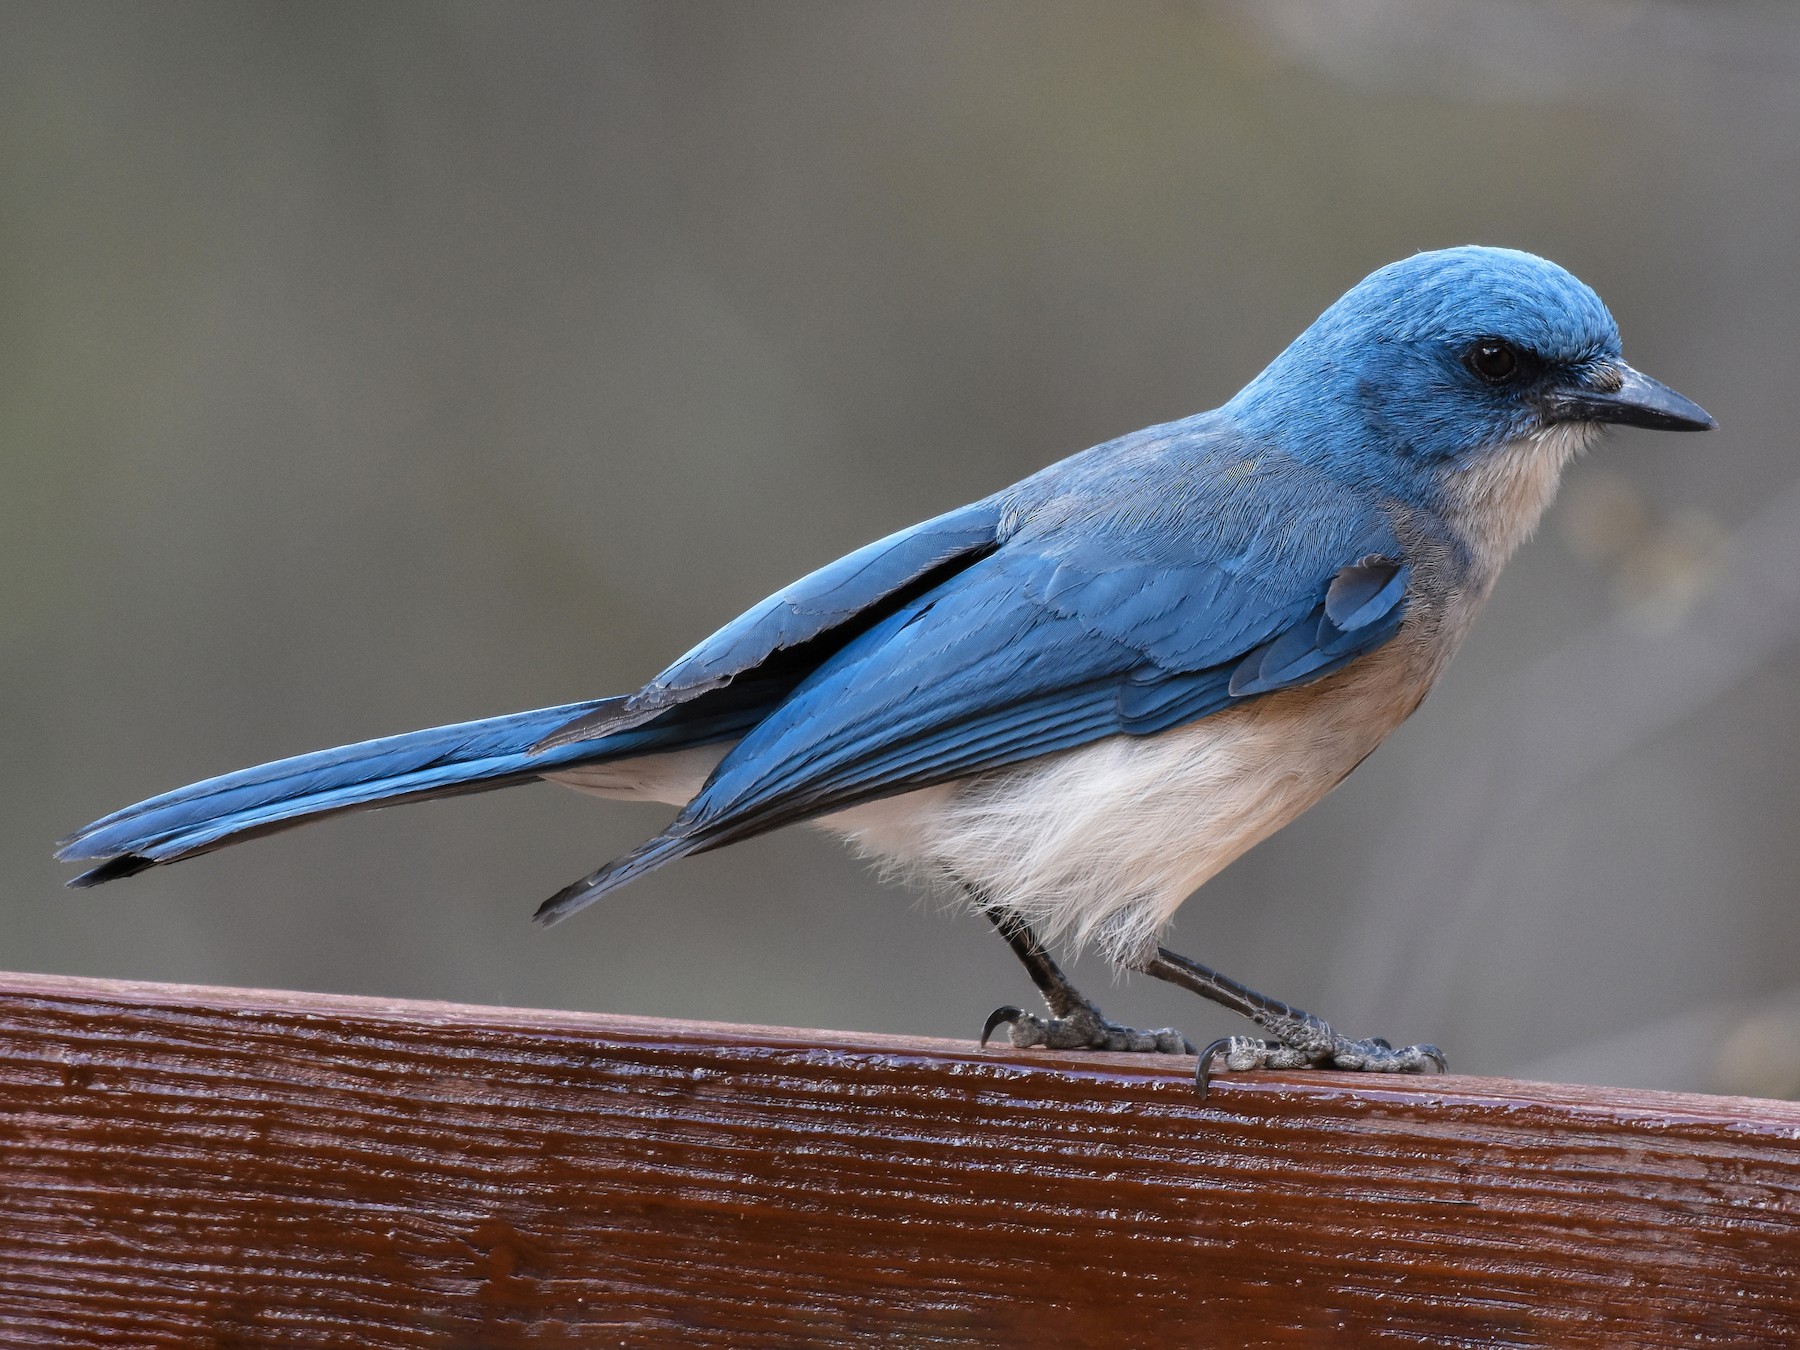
1077	699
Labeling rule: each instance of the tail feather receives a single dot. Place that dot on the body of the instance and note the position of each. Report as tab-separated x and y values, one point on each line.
438	762
646	857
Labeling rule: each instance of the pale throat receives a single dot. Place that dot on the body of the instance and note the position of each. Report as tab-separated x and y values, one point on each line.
1495	502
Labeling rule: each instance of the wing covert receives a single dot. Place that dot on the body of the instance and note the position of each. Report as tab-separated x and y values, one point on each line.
1113	606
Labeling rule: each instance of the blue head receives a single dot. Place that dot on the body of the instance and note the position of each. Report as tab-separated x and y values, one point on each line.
1439	359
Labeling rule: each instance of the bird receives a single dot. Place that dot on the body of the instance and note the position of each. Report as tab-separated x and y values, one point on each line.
1074	701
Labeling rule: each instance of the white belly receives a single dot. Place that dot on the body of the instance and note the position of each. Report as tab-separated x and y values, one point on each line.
1103	843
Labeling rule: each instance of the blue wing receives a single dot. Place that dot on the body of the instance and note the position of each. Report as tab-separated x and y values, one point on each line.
1132	593
771	646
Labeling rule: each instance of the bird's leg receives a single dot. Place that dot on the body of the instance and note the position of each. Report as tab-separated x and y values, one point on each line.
1297	1040
1075	1023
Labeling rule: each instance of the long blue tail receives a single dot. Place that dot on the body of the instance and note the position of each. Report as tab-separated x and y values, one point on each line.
438	762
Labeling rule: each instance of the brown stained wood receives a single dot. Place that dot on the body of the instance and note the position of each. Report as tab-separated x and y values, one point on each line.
229	1168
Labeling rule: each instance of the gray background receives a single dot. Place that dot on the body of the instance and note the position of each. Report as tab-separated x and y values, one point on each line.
369	367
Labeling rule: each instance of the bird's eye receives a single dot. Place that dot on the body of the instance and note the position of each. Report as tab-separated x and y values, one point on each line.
1493	360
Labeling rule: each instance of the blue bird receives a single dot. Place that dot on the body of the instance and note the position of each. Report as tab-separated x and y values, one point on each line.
1079	698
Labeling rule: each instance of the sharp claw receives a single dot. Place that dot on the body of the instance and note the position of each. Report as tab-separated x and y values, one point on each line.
1203	1066
1006	1013
1437	1057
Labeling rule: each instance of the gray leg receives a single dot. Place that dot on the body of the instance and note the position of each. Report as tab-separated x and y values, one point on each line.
1075	1023
1297	1040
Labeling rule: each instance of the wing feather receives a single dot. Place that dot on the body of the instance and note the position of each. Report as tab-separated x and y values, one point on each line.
1075	628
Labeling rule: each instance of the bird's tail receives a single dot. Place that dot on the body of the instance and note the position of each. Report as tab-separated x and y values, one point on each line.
439	762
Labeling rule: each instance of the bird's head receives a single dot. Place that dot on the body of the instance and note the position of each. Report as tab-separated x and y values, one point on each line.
1437	361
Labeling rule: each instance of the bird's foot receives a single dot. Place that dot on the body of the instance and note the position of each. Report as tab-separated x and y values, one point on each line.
1082	1028
1311	1044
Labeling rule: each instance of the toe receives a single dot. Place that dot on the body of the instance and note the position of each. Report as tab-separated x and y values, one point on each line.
1171	1042
1377	1056
1426	1059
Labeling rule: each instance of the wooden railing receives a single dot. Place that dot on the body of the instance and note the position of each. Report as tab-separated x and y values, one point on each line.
232	1168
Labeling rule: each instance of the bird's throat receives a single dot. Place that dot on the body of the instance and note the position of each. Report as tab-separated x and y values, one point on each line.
1495	502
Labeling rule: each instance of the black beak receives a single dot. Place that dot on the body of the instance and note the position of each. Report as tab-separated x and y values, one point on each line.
1635	401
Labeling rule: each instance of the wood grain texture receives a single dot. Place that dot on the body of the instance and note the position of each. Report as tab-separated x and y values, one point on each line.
231	1168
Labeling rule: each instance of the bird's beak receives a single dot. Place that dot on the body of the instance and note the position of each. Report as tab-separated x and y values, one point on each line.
1617	393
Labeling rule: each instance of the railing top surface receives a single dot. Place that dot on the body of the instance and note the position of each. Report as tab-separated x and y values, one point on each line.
185	1165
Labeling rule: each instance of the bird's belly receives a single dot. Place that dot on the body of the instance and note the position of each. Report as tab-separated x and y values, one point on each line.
1103	843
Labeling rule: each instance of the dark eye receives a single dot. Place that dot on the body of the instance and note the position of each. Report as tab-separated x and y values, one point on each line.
1493	360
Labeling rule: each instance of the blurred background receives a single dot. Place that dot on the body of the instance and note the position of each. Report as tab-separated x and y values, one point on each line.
371	367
